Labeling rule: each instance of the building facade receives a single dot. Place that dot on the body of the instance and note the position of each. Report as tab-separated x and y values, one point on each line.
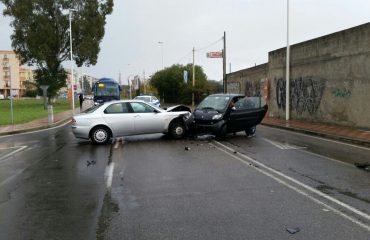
329	79
9	74
12	75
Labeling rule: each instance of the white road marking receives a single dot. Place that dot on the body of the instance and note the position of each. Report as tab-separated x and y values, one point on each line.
248	160
109	174
321	138
283	146
4	158
12	177
328	158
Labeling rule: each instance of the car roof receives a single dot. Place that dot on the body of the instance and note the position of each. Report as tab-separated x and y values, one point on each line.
227	95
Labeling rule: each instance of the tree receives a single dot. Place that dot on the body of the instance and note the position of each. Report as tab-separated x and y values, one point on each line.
171	86
41	35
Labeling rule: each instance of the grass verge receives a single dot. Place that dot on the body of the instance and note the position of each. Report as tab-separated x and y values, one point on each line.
27	110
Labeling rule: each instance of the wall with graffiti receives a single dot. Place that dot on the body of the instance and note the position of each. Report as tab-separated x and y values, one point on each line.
305	94
329	79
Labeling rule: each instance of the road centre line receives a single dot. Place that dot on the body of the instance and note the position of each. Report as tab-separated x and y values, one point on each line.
109	174
4	158
265	170
321	138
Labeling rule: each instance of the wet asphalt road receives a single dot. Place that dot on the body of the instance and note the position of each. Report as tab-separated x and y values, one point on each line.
53	186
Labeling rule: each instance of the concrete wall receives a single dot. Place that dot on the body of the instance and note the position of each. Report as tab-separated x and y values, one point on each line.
247	81
329	79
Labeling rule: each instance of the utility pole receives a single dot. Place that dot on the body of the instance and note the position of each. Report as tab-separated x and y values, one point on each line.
70	42
287	89
144	81
224	64
192	98
11	95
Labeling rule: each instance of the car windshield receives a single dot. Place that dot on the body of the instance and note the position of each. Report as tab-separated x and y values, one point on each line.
218	103
144	98
107	89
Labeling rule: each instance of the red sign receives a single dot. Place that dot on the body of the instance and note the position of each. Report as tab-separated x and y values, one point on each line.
214	55
74	86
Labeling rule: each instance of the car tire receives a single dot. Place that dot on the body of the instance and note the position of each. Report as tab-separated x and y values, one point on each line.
177	129
100	135
222	133
251	132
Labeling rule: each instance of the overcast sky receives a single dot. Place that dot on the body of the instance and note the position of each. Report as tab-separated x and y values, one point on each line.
253	28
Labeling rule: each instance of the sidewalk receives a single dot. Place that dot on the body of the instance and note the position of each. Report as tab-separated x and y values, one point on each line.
341	133
347	134
38	124
42	123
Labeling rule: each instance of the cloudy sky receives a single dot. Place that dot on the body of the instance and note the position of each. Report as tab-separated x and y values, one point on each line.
253	28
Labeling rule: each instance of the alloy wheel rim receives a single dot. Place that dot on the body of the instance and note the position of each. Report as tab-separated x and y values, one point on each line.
100	135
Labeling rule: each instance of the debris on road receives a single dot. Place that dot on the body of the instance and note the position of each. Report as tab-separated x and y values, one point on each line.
364	166
187	148
293	230
90	163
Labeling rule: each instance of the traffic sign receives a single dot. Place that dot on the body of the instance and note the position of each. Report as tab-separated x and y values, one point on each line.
215	55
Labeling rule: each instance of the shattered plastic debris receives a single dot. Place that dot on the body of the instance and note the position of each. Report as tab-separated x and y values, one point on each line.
293	230
90	163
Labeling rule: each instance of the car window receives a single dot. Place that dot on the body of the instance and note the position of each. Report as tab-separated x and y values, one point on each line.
141	108
92	109
116	108
214	102
249	103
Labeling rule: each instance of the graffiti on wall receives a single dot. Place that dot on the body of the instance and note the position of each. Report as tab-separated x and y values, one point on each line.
252	89
305	94
233	87
341	92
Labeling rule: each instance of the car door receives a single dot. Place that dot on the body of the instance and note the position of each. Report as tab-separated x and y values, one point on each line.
247	113
119	119
147	119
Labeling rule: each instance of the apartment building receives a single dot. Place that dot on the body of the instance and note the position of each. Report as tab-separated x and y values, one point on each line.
9	73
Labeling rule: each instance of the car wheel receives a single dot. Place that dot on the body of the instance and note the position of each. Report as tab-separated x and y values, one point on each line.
100	135
251	131
222	133
177	130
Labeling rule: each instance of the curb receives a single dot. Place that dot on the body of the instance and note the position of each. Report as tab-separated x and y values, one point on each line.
320	134
55	124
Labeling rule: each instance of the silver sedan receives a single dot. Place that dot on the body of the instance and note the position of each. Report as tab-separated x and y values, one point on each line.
127	117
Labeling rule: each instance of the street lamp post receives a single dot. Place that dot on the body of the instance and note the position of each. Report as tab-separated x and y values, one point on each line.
129	85
287	89
70	42
161	43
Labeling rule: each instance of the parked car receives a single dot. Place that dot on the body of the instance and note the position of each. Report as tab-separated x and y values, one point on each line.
149	99
128	117
219	114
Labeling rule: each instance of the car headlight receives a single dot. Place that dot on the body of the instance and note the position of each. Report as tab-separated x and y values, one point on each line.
217	117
